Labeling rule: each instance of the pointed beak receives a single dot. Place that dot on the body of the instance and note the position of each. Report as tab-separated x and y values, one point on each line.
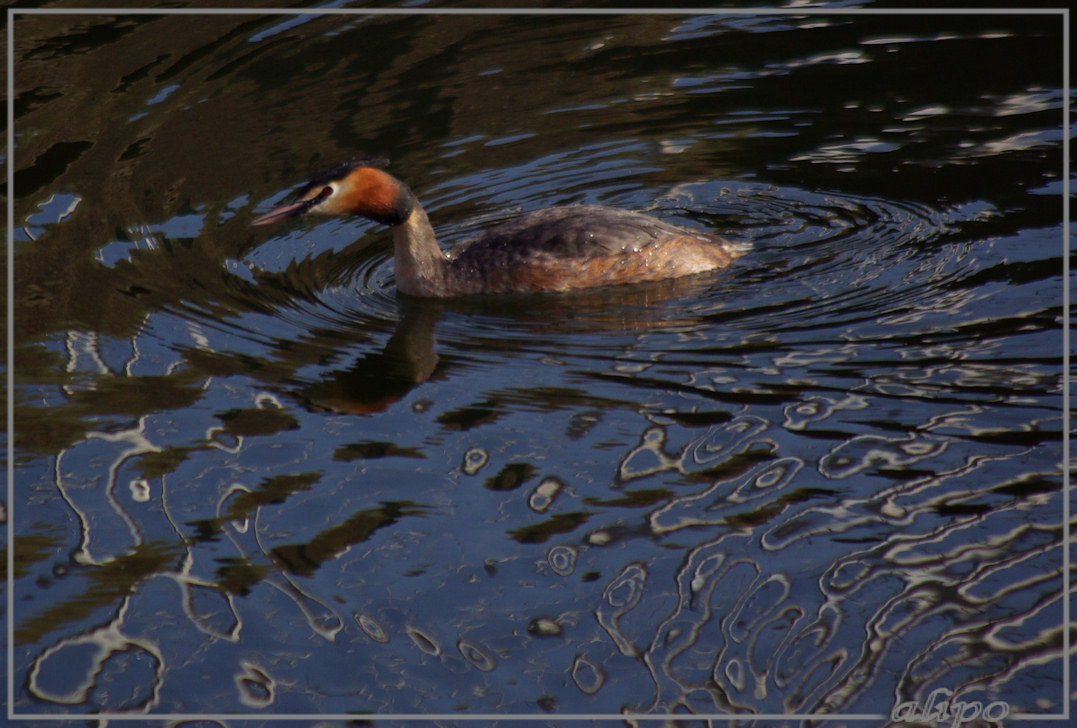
284	211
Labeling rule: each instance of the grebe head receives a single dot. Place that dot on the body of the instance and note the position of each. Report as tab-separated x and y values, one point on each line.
358	186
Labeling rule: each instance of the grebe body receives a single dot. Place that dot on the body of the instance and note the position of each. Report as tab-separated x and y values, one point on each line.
554	249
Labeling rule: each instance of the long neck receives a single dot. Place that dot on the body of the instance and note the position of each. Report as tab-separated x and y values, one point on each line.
421	268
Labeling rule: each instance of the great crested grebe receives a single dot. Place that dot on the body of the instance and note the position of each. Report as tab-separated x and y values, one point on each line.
555	249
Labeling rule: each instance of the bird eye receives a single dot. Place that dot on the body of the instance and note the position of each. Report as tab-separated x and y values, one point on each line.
326	191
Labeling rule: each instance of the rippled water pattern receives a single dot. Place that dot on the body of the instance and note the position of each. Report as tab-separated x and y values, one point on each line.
252	479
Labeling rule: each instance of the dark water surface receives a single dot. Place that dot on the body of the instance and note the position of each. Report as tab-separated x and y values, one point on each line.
251	478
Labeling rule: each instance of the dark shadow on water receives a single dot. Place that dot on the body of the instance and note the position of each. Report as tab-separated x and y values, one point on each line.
409	358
